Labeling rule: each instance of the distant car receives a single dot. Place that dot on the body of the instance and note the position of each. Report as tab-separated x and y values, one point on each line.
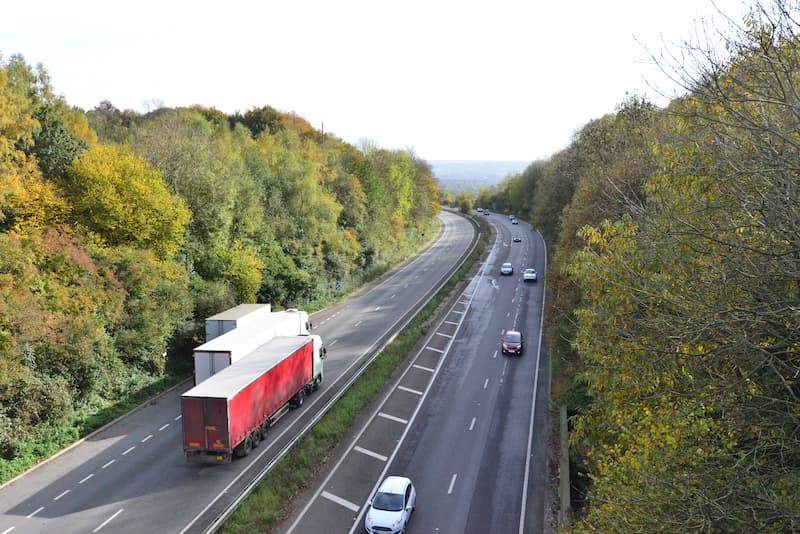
486	212
514	221
516	239
512	217
391	507
529	275
512	343
507	268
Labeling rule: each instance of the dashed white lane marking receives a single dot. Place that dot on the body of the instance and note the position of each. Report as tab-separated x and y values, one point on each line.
434	349
423	368
495	354
35	512
393	296
342	502
458	312
86	478
61	495
392	418
332	343
414	391
378	308
472	424
107	521
148	437
9	529
452	483
129	450
368	452
108	463
485	383
448	336
163	427
451	322
178	417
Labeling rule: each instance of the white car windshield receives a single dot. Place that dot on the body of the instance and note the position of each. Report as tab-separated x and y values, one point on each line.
390	502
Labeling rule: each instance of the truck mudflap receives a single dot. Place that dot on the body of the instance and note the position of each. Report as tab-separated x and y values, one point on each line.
209	457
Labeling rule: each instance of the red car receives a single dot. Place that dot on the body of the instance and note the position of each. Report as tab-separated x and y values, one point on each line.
512	342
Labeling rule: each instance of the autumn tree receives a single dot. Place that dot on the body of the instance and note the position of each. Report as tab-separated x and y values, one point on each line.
124	201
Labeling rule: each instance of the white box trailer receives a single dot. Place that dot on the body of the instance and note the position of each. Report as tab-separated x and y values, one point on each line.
240	315
217	354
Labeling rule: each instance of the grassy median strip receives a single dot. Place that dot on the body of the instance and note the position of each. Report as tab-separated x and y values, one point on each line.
272	500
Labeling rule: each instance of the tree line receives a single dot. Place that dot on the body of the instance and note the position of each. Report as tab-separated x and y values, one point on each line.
120	232
674	320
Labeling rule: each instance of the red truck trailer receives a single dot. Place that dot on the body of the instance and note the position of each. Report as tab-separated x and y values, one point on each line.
229	413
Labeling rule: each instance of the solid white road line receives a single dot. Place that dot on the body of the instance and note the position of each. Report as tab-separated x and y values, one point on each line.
107	521
414	391
392	418
368	452
452	483
343	502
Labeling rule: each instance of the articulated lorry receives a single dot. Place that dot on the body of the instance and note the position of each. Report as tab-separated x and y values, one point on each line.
229	414
240	330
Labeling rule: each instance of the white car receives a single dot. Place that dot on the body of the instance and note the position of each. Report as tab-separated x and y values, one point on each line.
529	275
391	507
507	268
517	239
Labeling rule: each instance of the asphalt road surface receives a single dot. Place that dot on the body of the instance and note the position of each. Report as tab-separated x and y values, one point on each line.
132	476
464	422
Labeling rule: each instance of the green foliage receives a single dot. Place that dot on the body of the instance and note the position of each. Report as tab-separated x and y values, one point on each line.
124	201
464	202
54	146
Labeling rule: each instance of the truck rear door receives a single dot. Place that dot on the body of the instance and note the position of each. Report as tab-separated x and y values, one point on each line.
215	416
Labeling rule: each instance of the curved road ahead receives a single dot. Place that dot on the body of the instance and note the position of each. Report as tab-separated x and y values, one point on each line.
132	477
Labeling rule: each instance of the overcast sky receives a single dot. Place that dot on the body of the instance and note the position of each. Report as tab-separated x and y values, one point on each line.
467	80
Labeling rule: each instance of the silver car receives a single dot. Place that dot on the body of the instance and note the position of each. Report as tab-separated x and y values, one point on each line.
529	275
507	268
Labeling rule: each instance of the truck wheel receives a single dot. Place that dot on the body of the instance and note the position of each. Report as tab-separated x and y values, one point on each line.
244	448
256	435
299	399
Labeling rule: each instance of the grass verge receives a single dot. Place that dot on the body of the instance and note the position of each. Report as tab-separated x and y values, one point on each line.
271	501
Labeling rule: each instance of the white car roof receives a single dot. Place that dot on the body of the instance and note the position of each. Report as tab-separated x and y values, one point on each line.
394	484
